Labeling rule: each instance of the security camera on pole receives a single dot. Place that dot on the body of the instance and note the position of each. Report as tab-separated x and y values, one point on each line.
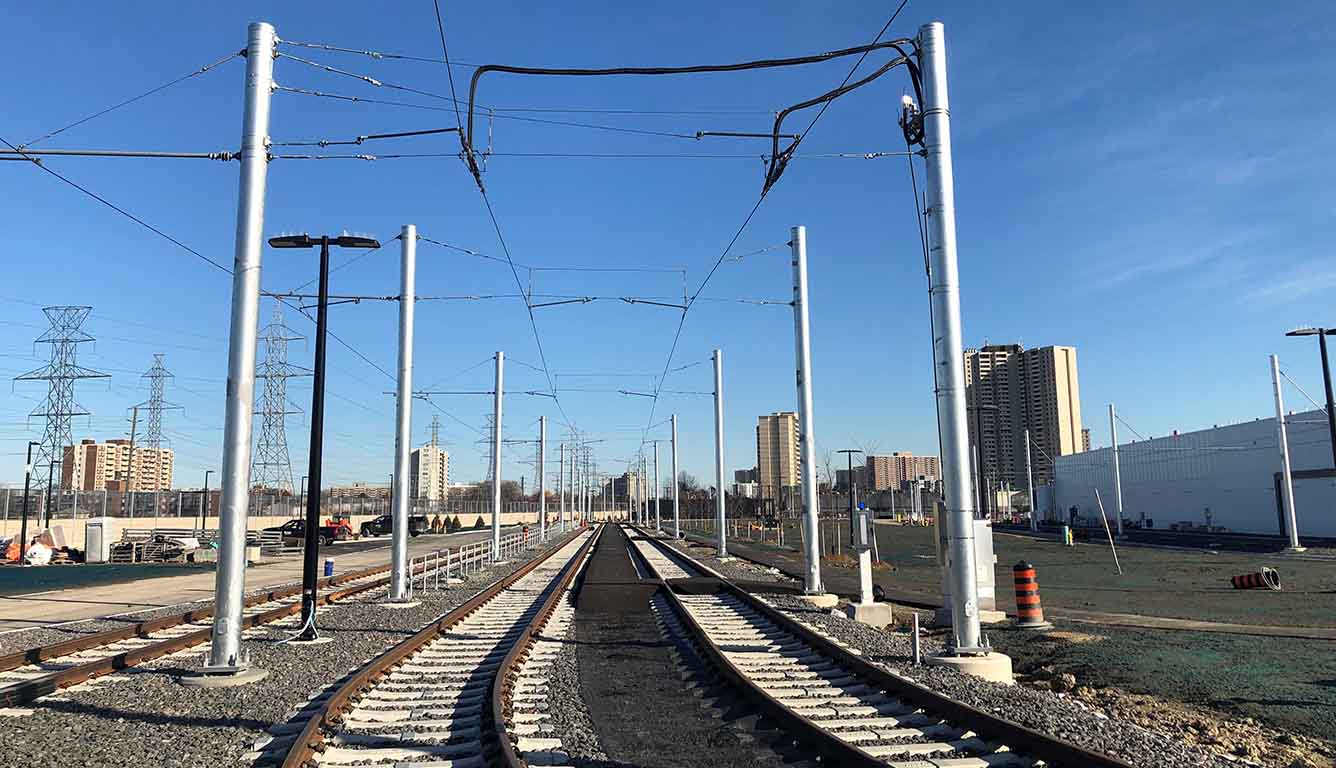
967	649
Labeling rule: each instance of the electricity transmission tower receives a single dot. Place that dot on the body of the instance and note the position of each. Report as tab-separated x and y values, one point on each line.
435	431
271	467
157	382
60	373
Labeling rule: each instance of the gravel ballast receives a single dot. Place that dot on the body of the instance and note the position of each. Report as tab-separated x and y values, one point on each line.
144	717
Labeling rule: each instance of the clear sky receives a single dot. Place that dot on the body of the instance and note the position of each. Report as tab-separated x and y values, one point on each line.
1151	186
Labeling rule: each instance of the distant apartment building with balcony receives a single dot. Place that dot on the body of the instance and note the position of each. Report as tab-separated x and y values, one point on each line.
115	466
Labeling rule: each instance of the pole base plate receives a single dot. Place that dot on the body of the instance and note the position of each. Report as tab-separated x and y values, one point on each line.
233	679
995	667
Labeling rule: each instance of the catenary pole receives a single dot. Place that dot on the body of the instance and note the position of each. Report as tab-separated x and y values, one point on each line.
496	455
1286	478
230	574
542	478
948	354
561	488
403	422
1029	483
719	452
658	490
1117	473
677	513
806	419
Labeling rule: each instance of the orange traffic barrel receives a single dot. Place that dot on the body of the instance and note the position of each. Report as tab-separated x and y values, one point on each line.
1266	578
1029	611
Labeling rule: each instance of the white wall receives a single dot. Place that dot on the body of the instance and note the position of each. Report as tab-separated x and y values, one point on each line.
1229	469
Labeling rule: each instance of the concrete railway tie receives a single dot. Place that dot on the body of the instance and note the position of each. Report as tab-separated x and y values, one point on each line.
434	708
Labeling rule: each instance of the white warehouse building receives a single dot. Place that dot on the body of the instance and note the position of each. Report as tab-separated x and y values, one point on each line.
1225	476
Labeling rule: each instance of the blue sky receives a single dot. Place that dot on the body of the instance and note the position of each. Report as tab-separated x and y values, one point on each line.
1150	187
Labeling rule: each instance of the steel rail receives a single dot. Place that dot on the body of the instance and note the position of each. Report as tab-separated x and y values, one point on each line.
1015	736
505	674
27	691
43	653
308	742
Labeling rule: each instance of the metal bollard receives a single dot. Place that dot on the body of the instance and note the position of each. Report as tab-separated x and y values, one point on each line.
1029	611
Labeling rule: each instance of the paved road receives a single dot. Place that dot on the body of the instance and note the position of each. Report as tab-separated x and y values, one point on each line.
45	609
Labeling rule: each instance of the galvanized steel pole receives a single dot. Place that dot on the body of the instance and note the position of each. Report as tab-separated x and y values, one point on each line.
496	455
542	478
658	490
719	451
948	354
229	582
677	515
561	488
1286	478
1029	483
1117	472
806	419
403	422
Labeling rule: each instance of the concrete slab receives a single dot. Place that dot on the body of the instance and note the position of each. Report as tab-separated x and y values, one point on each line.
872	614
400	604
823	600
234	680
992	666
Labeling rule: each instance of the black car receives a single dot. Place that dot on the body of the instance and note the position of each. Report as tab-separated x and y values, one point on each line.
294	533
384	525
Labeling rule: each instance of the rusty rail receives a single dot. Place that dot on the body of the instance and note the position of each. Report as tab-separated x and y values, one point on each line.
27	691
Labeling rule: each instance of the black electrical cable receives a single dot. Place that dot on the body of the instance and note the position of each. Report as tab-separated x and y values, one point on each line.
467	135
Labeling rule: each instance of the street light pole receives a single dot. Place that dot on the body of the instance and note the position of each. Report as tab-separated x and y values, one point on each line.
1322	334
27	484
204	507
315	456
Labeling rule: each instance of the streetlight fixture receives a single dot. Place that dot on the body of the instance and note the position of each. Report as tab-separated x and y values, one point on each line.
27	480
312	542
1322	334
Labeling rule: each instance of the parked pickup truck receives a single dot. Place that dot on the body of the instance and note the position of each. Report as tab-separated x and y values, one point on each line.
294	532
384	525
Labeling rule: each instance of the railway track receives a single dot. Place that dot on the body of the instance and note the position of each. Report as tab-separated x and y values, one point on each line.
847	709
42	670
466	691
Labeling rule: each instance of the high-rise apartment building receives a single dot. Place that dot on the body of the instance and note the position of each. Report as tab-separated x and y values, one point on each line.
778	464
892	472
94	466
1085	439
429	473
1010	389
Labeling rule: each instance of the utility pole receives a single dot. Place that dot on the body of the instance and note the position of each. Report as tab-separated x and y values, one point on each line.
677	514
658	491
948	353
1117	474
403	422
806	419
496	455
542	478
561	488
719	452
225	657
127	489
1286	478
1029	483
